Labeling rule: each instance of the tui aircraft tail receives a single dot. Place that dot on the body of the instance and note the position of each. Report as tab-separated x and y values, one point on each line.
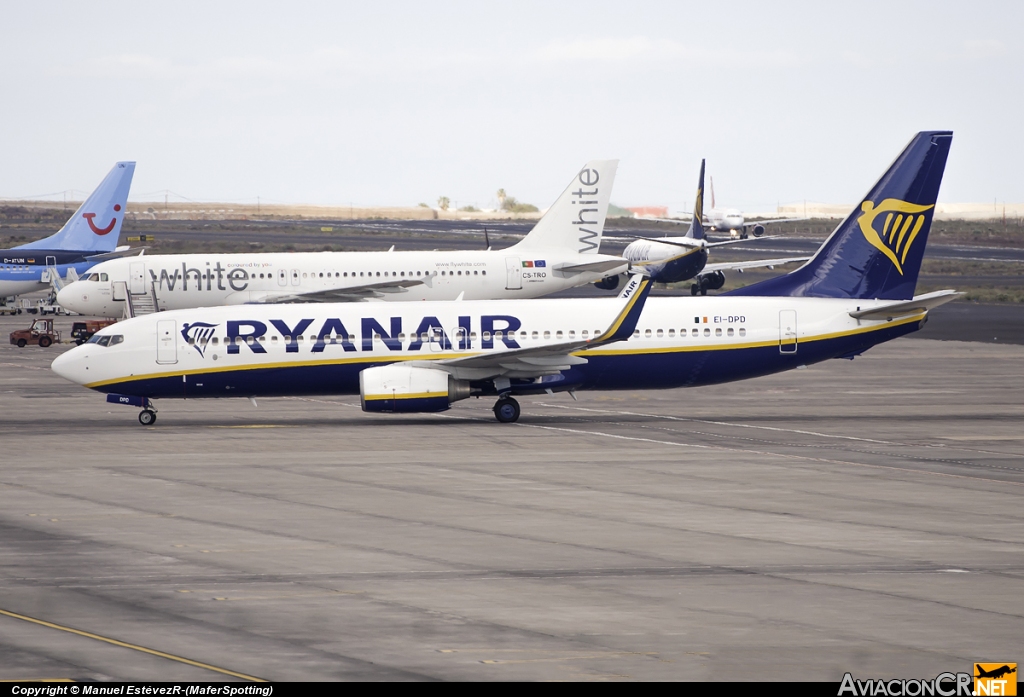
576	220
696	230
876	252
96	225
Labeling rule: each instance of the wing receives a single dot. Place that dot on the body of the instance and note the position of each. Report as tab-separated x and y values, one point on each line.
593	266
756	264
550	359
336	295
771	221
118	252
721	243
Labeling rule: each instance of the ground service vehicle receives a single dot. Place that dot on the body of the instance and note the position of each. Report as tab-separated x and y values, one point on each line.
83	331
41	333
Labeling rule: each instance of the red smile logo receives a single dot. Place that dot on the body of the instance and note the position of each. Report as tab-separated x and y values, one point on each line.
103	230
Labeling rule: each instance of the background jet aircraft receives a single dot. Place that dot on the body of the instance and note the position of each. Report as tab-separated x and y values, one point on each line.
560	252
675	259
856	292
89	236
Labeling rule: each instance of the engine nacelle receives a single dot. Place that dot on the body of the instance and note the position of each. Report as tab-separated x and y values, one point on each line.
404	388
607	283
758	230
713	281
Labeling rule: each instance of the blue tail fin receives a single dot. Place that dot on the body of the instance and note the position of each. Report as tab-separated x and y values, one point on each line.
96	225
876	252
696	230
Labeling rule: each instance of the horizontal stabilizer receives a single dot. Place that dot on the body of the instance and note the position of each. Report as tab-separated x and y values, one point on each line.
921	303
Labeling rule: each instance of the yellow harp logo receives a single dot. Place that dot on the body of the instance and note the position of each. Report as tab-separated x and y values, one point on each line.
898	231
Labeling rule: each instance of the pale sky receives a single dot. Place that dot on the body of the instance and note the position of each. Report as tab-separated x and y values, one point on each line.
393	103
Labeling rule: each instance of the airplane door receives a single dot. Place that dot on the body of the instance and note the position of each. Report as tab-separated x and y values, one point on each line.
513	274
167	341
282	277
787	331
295	277
137	278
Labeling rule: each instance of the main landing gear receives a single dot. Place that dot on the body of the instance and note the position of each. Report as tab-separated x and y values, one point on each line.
506	410
147	417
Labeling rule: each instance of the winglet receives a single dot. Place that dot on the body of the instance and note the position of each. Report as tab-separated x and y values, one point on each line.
635	294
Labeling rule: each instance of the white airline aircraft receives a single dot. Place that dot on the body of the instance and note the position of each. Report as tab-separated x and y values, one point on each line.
856	292
675	259
560	252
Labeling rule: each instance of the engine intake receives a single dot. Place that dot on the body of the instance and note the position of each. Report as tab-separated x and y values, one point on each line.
409	389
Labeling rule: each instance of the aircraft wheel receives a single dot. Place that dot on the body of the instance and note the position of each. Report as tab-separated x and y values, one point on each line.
147	417
44	341
506	410
22	343
703	290
694	289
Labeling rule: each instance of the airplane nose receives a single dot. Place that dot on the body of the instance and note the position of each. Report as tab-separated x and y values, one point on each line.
67	297
70	365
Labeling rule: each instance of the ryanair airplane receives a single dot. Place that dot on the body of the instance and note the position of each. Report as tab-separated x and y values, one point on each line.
675	259
560	252
89	237
857	291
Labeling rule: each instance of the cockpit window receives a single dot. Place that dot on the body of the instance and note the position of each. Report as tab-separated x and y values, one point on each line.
92	277
103	277
106	339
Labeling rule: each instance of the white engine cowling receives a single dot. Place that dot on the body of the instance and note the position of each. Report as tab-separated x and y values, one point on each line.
404	388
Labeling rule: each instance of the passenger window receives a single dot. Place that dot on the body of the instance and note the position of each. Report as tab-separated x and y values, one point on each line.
475	273
707	332
572	334
305	275
487	336
401	337
636	333
300	338
472	336
695	331
558	334
547	334
718	331
321	274
661	333
217	341
671	333
647	334
743	332
460	273
729	331
584	333
535	335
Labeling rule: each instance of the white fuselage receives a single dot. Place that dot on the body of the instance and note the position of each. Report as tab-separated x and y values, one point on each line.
320	349
725	219
202	280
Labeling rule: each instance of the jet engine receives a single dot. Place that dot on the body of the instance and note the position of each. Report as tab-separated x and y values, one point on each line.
404	388
758	230
713	281
607	283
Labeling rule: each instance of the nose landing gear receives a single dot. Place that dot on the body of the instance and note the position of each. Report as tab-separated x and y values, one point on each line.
506	410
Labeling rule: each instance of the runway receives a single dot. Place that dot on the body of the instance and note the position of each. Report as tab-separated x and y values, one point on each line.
859	516
467	234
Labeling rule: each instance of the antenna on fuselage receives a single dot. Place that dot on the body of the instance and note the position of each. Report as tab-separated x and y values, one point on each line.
487	240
